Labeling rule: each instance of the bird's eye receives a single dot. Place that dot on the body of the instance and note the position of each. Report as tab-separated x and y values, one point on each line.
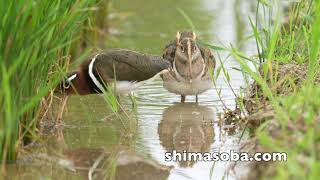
66	84
194	48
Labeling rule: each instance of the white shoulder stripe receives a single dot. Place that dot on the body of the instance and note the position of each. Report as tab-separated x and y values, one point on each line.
91	75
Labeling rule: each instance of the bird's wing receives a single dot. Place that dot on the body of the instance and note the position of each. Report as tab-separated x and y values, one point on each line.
169	51
126	65
208	58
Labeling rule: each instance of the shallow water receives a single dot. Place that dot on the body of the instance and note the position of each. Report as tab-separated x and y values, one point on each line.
162	120
160	123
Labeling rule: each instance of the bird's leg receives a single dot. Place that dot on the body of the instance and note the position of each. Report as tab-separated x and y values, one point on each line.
183	98
197	98
133	100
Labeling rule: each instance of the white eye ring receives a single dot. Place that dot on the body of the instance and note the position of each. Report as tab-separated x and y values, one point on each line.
67	83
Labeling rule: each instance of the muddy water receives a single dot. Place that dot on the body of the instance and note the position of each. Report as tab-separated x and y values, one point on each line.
90	133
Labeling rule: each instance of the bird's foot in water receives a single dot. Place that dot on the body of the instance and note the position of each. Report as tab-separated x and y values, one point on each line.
183	98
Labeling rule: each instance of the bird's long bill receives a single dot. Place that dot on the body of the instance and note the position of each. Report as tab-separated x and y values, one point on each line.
190	60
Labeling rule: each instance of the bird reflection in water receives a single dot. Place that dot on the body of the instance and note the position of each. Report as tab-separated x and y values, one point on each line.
95	164
186	127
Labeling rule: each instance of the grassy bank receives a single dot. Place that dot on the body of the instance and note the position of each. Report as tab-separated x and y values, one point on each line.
283	103
37	39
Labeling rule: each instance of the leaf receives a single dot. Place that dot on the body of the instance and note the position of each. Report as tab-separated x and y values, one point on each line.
187	18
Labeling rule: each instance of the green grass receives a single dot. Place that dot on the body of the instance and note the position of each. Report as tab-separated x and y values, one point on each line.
35	45
38	37
296	41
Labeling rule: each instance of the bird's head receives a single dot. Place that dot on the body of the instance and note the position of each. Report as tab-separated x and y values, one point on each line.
188	60
76	82
66	85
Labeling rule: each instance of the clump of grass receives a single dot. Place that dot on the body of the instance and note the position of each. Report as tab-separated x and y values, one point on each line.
36	37
297	114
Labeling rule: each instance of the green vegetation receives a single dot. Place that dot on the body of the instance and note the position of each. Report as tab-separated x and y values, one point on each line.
294	98
36	41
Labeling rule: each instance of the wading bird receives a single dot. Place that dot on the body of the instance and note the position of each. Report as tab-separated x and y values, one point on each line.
191	65
121	69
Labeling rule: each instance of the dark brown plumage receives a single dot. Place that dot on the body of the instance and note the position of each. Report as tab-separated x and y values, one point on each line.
127	65
124	69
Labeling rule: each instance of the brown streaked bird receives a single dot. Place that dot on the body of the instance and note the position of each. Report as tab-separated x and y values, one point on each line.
191	65
123	70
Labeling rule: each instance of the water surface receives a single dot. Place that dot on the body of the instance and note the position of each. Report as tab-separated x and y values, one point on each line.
160	123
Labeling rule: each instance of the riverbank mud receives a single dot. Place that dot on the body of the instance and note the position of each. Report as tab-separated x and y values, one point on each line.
286	79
